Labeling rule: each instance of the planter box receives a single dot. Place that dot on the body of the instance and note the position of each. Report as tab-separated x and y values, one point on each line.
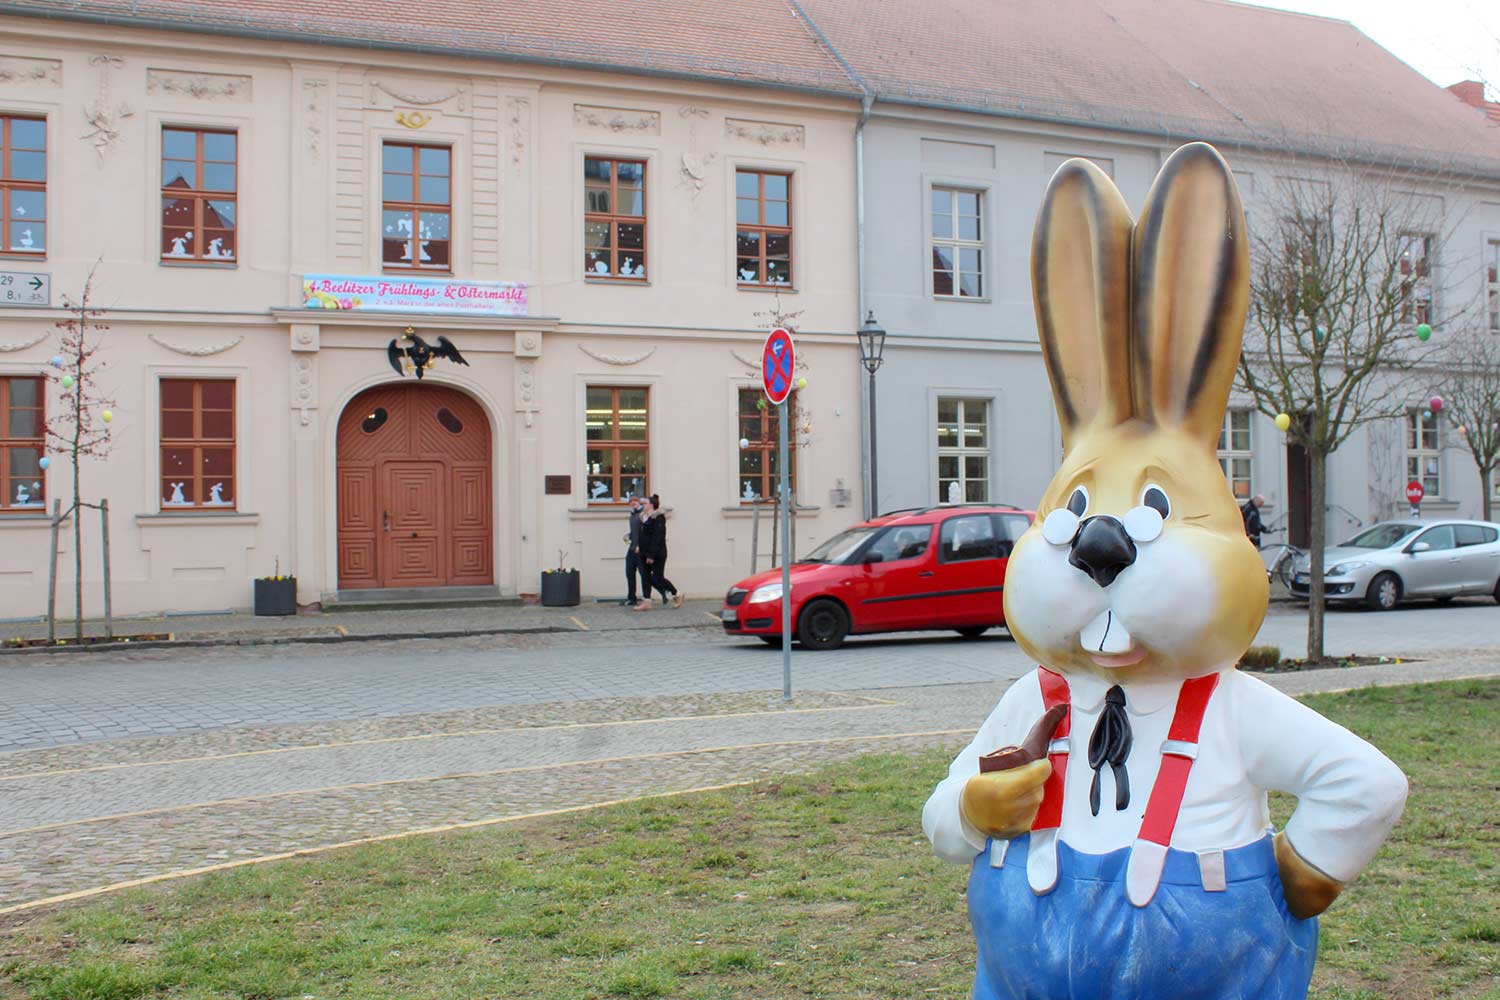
560	589
276	597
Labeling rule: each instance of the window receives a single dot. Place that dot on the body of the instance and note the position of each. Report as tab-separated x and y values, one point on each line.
199	212
614	221
1415	265
1492	283
906	542
1235	453
197	443
1423	455
1438	539
957	243
763	241
963	451
418	206
1474	534
23	186
965	538
758	427
1011	527
22	443
615	432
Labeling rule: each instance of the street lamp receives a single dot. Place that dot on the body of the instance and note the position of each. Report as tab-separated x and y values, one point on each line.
871	351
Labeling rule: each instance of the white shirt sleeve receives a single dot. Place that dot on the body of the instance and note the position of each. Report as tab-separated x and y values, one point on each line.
1349	794
953	839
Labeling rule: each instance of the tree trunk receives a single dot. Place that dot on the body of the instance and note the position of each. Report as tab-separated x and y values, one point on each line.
1486	494
1317	530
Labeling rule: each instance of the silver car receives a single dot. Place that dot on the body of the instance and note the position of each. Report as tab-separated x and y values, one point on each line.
1396	560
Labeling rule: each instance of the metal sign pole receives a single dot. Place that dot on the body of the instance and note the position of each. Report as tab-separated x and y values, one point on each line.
786	563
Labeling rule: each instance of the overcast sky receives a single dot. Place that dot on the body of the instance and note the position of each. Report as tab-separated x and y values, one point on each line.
1445	40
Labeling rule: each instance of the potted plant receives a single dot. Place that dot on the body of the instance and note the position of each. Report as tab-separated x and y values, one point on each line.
276	594
560	587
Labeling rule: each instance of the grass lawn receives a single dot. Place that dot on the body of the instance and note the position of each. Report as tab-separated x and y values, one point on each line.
814	886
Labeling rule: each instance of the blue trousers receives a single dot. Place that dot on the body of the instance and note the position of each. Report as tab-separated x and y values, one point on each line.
1085	940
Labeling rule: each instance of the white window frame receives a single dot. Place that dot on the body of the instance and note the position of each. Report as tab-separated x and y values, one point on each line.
1421	286
1492	282
963	452
1228	454
954	242
1424	442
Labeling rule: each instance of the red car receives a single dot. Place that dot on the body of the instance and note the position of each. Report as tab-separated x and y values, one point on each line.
933	568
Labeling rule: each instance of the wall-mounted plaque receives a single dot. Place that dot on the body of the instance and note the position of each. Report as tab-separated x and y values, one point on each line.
559	485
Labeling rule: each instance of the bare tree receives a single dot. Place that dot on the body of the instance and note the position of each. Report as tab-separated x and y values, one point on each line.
1341	279
1387	469
82	429
1471	395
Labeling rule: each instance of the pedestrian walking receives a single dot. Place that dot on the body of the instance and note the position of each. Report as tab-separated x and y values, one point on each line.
654	555
633	564
1251	513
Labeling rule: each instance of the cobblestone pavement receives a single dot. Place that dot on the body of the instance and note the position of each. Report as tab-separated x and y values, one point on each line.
80	817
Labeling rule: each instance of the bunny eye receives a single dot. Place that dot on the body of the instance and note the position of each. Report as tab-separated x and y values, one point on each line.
1079	501
1156	498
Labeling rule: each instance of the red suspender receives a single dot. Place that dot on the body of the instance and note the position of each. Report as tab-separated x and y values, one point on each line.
1177	757
1054	692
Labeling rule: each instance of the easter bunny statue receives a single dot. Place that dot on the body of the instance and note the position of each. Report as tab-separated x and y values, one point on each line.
1158	875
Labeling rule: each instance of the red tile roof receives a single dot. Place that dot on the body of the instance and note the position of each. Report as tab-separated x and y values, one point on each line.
756	41
1184	68
1180	69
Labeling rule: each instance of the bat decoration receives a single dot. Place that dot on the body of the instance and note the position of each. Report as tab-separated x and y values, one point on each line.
421	355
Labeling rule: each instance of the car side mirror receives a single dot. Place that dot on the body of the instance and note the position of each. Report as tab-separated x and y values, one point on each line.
1418	547
874	557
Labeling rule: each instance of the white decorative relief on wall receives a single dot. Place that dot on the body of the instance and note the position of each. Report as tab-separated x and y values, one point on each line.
312	107
201	86
196	352
526	392
616	119
102	113
617	359
753	366
764	133
305	386
520	128
415	93
21	345
21	70
528	344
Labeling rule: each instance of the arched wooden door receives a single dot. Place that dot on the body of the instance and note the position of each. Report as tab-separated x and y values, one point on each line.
414	489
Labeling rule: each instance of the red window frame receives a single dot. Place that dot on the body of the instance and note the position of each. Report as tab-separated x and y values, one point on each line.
188	213
11	244
761	232
10	440
392	189
192	435
611	252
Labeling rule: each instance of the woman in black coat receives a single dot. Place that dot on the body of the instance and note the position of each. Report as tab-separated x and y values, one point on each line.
654	555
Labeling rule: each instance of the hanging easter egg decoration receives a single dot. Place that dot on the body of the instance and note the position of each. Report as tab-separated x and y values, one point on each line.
1423	331
744	443
56	361
107	416
1283	421
1426	414
67	381
1435	404
1319	334
802	382
44	461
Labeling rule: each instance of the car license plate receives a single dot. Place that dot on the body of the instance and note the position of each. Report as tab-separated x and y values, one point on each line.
728	615
1301	579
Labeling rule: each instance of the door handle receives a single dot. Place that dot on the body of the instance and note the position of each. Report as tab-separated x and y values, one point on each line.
385	519
414	534
927	572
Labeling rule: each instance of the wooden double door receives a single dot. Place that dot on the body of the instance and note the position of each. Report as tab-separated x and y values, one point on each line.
414	497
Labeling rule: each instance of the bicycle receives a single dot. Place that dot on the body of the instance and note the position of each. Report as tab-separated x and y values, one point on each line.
1282	562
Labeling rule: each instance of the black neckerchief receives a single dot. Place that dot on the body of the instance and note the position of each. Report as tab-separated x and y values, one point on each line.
1110	744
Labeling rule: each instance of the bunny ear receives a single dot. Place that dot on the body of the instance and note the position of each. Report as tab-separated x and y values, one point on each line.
1080	275
1191	292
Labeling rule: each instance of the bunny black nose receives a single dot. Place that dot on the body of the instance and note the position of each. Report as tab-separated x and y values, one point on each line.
1102	549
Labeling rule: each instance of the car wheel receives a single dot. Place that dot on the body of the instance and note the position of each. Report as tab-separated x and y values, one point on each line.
973	631
1496	594
770	640
823	624
1384	592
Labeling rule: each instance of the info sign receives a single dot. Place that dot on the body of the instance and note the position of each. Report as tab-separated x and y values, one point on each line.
25	288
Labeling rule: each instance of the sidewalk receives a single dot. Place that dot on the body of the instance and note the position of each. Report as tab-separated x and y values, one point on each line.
390	622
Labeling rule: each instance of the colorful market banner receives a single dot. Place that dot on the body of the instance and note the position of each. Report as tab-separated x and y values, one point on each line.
388	293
